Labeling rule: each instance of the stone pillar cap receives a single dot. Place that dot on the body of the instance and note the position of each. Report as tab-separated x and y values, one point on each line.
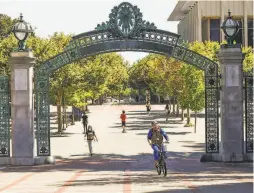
22	54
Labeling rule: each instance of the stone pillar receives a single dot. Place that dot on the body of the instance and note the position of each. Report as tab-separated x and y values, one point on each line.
22	108
232	148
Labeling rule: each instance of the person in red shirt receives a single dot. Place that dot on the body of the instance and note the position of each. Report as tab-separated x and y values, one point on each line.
123	119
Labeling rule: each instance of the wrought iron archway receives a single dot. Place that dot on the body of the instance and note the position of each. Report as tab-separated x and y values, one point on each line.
126	31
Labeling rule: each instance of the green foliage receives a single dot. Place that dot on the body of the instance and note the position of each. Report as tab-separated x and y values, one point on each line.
6	47
248	60
6	24
159	73
208	49
188	125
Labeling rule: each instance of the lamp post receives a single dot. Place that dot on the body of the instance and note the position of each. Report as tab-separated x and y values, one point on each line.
21	31
230	28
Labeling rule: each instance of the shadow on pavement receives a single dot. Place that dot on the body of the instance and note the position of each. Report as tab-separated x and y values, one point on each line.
186	161
63	134
171	133
218	188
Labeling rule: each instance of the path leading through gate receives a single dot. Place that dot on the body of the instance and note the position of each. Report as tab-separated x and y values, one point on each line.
123	162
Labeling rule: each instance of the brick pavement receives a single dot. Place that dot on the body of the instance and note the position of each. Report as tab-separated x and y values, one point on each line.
123	162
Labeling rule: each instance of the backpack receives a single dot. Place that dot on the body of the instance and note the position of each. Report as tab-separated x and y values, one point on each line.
90	135
157	137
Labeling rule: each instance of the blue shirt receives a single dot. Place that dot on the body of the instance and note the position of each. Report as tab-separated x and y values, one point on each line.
150	134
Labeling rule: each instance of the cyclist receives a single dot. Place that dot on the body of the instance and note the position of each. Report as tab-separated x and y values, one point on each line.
155	139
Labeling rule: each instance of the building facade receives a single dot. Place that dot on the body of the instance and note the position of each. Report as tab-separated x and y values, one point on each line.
201	20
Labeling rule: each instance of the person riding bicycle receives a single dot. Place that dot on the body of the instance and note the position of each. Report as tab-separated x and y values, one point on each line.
155	139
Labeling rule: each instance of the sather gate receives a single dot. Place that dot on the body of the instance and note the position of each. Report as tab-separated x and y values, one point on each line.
126	31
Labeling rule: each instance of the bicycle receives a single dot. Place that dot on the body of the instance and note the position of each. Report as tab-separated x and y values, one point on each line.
162	166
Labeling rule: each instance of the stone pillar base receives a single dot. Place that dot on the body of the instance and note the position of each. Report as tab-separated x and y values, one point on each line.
211	157
44	160
5	161
22	161
27	161
232	157
226	158
248	157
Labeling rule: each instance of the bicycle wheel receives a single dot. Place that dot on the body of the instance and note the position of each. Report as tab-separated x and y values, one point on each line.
164	169
159	169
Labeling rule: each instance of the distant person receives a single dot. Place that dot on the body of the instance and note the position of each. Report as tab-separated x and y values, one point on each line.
91	136
137	99
123	119
167	108
148	108
85	121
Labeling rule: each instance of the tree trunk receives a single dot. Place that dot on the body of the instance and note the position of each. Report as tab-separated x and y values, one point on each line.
177	108
182	118
188	115
86	106
92	101
72	120
65	117
195	127
159	99
169	103
119	97
174	103
59	116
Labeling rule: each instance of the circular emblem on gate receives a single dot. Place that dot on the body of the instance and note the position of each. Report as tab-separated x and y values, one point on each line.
125	18
41	84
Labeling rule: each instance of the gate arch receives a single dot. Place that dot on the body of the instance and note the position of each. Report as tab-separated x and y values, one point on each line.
126	31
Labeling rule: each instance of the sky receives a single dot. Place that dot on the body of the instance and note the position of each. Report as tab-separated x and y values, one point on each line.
79	16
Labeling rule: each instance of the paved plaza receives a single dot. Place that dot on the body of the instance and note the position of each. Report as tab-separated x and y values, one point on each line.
123	162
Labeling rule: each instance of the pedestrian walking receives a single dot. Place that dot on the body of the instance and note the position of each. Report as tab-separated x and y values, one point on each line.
91	136
167	108
85	121
123	119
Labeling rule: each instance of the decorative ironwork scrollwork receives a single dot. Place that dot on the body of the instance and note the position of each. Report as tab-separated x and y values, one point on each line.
4	117
248	88
125	21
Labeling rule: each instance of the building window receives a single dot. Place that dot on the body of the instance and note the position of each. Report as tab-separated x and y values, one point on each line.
215	30
239	36
250	33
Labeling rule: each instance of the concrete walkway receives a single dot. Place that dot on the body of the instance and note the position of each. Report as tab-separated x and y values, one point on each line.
123	162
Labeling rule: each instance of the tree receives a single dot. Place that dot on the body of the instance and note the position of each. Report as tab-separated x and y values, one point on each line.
6	24
248	60
6	47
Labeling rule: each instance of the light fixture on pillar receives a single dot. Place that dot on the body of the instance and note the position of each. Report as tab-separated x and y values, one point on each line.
230	28
21	31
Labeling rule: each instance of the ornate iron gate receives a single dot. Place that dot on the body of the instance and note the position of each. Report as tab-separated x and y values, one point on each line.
248	89
4	117
121	34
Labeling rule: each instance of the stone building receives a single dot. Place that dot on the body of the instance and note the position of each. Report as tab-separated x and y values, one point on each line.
201	20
